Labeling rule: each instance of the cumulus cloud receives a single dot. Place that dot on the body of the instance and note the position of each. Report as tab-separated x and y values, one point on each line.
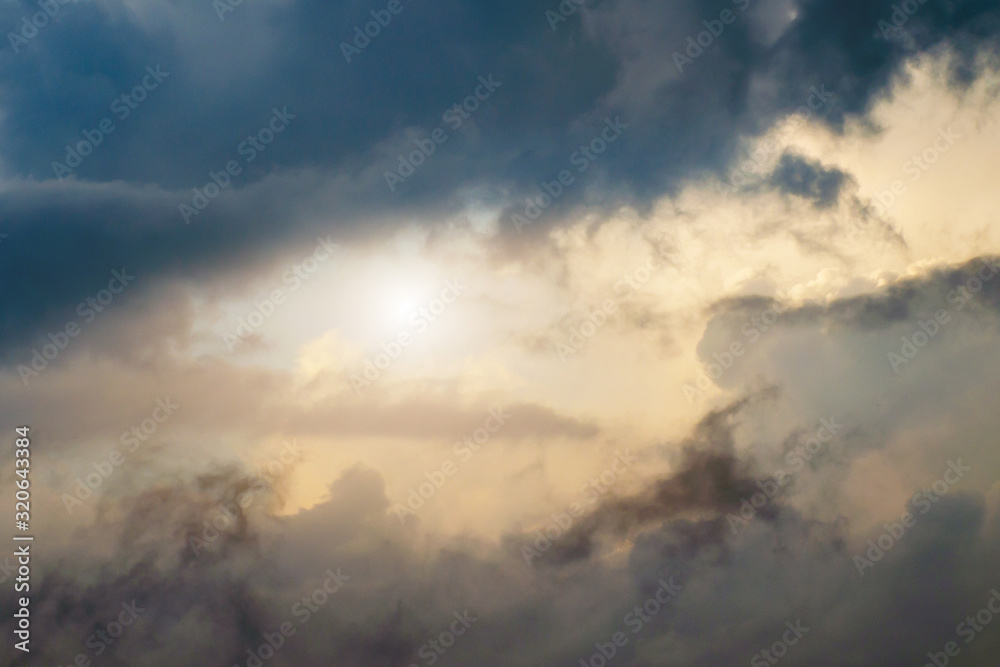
799	352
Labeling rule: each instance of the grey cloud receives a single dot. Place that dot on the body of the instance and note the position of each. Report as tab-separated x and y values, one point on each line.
354	119
799	176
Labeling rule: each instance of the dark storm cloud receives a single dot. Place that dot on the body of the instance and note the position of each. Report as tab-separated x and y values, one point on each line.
402	590
905	300
353	119
427	59
213	607
941	570
894	348
69	238
710	478
224	78
796	175
946	288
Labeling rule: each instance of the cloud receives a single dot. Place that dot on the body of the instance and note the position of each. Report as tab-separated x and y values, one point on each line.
709	478
405	586
796	297
798	176
559	87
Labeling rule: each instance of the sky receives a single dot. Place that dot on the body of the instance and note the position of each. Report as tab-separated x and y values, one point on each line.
593	332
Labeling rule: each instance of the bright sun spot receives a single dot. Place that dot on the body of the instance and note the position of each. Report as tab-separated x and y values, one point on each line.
400	302
405	305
